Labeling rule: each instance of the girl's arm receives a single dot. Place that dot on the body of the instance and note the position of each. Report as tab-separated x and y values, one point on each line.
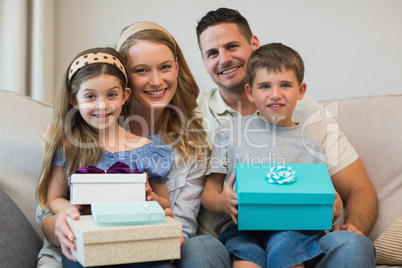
57	190
217	199
158	192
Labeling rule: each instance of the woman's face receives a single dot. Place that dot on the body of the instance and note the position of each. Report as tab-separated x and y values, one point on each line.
153	70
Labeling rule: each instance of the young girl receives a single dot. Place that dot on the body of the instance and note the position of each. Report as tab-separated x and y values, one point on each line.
85	131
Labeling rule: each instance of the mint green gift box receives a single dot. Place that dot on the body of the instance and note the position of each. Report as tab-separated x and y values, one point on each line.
305	204
127	213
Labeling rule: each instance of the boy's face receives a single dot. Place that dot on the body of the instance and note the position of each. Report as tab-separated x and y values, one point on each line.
225	52
275	95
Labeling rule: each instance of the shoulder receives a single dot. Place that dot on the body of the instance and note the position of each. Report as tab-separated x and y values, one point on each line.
305	108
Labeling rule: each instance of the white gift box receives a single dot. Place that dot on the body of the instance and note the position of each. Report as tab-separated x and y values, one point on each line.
108	245
86	189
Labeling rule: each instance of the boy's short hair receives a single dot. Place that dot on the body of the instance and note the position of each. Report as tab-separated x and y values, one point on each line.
224	15
273	58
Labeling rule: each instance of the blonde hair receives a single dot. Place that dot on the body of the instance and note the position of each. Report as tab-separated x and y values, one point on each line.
192	144
69	134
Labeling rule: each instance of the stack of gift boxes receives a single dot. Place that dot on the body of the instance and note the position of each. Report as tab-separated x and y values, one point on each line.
123	227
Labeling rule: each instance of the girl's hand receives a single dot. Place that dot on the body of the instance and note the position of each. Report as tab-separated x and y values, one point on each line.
338	207
229	199
63	231
148	190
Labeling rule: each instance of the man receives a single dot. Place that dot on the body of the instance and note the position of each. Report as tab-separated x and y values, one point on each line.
226	42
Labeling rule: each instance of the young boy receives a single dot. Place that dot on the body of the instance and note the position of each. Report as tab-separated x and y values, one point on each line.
275	83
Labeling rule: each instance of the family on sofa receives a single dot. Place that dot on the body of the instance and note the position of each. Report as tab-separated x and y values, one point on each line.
160	79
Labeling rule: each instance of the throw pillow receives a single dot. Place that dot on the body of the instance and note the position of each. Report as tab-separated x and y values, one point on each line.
19	241
389	244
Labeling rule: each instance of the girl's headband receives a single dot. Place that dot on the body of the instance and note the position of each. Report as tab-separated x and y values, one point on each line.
96	57
139	26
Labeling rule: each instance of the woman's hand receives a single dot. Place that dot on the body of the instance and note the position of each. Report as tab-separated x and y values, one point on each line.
169	213
64	232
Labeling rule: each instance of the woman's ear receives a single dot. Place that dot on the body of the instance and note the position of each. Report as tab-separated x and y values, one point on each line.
126	94
177	67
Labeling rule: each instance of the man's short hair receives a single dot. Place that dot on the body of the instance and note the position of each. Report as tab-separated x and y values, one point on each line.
223	15
275	57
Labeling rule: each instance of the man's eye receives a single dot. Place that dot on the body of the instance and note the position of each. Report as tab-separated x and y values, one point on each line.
212	54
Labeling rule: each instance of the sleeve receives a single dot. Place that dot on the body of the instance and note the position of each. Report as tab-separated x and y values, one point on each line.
158	162
322	125
185	185
218	162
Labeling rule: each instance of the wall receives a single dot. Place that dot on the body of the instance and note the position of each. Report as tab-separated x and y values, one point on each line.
350	48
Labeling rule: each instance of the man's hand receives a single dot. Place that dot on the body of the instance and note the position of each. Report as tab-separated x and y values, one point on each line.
346	227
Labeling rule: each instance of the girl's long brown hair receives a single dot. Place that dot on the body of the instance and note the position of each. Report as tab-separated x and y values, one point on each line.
69	134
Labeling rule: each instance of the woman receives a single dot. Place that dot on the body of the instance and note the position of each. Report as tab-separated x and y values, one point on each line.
164	93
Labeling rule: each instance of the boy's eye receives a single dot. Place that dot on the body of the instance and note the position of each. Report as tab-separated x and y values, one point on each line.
285	85
265	86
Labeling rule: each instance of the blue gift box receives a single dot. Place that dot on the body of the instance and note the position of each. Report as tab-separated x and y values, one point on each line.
127	213
305	204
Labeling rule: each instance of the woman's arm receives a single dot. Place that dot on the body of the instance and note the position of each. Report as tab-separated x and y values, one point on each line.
158	192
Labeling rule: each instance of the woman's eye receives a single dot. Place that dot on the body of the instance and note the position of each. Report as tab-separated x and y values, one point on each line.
166	67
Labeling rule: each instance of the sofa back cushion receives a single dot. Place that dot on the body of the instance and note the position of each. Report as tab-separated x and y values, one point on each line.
373	126
23	122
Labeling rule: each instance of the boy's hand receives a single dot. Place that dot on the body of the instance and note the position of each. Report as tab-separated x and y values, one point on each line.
229	199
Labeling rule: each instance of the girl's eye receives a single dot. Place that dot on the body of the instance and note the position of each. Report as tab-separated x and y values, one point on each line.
89	97
112	95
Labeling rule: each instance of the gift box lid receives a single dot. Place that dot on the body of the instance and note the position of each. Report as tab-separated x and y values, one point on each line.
88	232
313	185
127	213
107	178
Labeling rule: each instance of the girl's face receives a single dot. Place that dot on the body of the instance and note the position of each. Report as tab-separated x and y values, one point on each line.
100	100
153	70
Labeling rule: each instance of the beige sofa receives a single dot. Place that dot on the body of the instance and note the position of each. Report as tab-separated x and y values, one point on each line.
372	124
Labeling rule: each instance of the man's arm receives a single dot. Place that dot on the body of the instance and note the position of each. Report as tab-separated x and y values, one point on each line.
360	196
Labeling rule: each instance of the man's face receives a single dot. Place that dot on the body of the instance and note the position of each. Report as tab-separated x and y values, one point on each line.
225	52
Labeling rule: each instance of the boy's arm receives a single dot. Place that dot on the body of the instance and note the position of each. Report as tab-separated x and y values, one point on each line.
57	189
359	194
217	199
